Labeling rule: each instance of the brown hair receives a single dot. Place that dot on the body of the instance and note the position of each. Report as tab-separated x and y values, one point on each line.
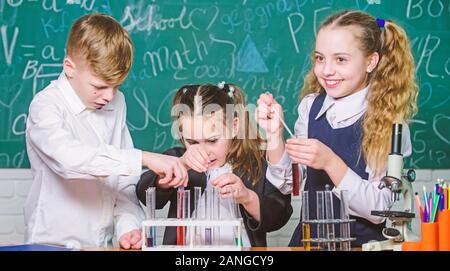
104	44
393	89
245	155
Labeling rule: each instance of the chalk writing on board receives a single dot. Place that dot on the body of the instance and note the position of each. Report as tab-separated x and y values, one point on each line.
250	59
259	45
8	48
419	8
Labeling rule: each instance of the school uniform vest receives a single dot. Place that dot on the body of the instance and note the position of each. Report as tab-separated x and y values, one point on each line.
346	143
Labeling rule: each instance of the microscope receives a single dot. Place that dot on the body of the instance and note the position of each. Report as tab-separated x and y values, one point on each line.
400	183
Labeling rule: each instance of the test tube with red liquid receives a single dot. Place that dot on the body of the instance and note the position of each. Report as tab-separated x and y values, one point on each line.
183	212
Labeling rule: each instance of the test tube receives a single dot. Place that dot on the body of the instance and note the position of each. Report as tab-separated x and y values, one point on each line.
186	204
197	215
197	196
216	215
180	235
329	216
345	226
186	214
229	201
208	214
232	206
295	179
150	203
306	232
320	217
195	236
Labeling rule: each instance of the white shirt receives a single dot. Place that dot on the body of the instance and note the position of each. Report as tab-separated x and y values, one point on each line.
84	170
364	195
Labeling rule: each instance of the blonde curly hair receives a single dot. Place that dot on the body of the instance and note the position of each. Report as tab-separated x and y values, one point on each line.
392	97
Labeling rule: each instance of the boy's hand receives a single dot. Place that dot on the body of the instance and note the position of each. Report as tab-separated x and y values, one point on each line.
171	169
131	239
232	186
265	116
196	158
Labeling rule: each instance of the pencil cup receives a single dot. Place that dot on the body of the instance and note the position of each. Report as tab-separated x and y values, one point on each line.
430	238
411	246
444	230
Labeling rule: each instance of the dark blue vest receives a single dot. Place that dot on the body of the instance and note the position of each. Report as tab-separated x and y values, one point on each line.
346	143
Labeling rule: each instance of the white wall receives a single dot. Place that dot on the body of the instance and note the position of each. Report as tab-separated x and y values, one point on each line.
15	183
14	186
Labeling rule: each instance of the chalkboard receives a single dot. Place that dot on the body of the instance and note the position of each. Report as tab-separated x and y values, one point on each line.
259	45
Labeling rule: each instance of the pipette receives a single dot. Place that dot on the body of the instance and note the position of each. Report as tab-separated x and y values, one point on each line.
295	173
273	111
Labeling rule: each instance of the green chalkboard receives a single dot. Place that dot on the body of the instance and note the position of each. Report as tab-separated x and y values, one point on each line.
259	45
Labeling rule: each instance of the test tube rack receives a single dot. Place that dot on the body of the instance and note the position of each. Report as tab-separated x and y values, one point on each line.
191	223
323	227
326	222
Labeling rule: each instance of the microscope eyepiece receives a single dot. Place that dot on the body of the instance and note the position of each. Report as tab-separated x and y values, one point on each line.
396	141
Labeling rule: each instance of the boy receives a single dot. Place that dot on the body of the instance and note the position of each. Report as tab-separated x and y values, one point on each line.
81	153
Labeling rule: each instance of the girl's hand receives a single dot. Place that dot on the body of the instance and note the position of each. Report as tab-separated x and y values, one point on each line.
265	116
309	152
231	185
315	154
196	157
